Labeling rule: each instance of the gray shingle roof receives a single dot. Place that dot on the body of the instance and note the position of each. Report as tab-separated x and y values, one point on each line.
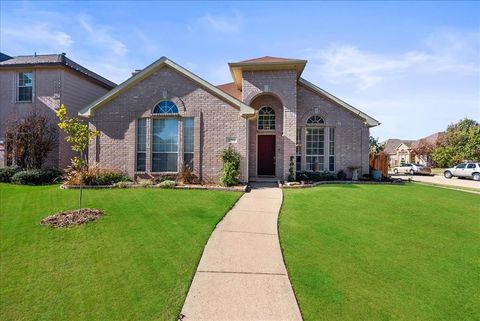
392	144
55	59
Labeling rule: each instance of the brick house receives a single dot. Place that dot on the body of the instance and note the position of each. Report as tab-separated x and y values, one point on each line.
165	117
42	83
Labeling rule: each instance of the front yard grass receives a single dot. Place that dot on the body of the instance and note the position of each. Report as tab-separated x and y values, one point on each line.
373	252
135	263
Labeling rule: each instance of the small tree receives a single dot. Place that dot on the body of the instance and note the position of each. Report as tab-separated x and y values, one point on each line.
78	135
425	149
29	140
231	167
374	146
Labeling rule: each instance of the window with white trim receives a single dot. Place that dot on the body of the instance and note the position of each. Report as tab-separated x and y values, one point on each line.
165	145
315	151
315	120
25	87
298	148
331	150
188	142
141	165
266	119
165	107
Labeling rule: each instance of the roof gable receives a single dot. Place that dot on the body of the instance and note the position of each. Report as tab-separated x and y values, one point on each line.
89	110
371	122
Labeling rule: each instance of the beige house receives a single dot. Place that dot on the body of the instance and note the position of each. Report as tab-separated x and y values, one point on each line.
404	151
165	117
42	83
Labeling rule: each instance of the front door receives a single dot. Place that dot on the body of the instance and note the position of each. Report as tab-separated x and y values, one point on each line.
266	155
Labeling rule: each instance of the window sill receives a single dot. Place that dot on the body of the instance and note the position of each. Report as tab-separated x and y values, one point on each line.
23	101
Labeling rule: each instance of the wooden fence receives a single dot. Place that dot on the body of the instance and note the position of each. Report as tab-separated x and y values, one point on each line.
379	162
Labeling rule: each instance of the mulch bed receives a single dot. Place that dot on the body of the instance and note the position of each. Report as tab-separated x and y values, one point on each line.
73	217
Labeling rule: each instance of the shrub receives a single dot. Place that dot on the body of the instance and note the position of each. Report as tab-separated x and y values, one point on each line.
291	170
145	183
161	178
37	177
95	175
167	184
231	167
110	178
123	184
6	173
185	176
315	176
341	175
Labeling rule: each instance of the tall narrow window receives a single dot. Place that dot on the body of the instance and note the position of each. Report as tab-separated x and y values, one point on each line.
165	145
266	119
298	147
188	139
141	145
331	150
315	148
25	86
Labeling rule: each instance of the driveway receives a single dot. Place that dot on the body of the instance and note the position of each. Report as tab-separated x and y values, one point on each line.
440	180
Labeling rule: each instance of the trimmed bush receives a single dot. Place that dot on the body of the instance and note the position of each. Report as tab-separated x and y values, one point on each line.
316	176
123	184
37	177
167	184
110	178
162	178
6	173
231	167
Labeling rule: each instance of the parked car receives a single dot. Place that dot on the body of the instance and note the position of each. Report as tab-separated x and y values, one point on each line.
468	170
412	169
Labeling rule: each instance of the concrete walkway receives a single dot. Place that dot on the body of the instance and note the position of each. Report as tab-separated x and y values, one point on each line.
241	275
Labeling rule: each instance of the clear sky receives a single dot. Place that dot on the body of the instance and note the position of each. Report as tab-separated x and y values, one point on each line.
414	66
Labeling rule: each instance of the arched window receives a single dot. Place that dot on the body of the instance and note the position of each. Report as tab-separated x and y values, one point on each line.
315	120
266	119
165	107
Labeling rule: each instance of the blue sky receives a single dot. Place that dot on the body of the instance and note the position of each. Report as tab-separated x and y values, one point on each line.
414	66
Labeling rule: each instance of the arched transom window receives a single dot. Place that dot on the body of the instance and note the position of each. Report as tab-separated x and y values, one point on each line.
315	120
165	107
266	119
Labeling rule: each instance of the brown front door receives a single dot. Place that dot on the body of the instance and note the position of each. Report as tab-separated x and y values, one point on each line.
266	155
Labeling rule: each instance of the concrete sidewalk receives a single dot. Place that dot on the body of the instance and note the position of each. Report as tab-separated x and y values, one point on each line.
241	275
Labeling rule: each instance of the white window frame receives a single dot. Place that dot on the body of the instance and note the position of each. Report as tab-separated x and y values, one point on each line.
17	87
151	144
270	116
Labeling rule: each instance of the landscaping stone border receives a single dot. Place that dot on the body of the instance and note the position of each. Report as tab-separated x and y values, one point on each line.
280	185
242	188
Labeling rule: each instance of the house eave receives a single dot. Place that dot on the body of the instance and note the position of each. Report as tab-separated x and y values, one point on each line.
89	110
369	121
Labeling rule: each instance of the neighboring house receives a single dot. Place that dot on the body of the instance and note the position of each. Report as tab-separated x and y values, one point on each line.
404	151
165	117
42	83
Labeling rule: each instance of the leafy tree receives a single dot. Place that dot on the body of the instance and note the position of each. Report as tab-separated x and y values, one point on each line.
461	142
29	140
78	135
375	146
425	149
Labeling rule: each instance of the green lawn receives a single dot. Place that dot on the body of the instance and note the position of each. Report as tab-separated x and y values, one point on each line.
135	263
377	252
